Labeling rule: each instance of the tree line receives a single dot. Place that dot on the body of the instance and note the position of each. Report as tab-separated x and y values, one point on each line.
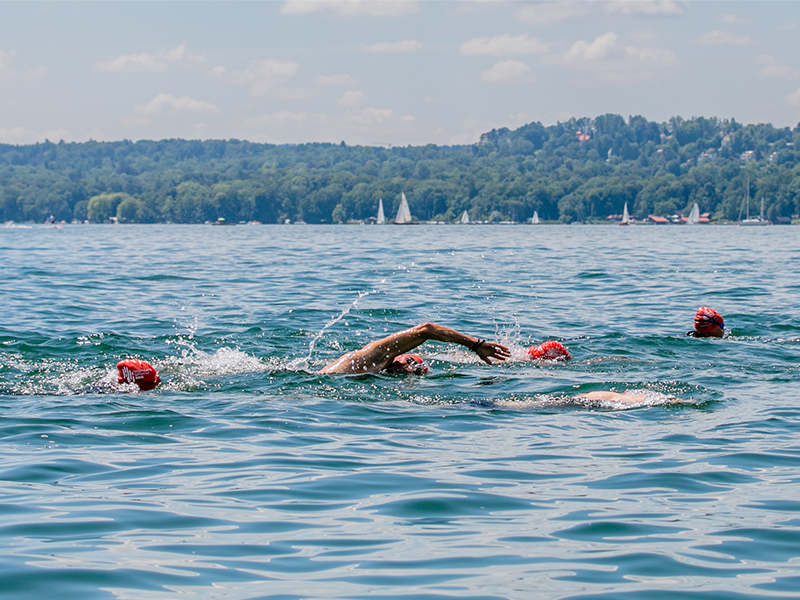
578	170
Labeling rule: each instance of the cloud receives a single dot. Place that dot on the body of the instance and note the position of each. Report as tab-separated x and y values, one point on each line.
352	98
266	78
336	80
166	104
605	58
403	46
509	70
732	19
349	8
6	58
23	135
588	51
471	129
772	68
645	7
542	13
793	99
368	125
721	38
8	71
790	26
147	63
502	45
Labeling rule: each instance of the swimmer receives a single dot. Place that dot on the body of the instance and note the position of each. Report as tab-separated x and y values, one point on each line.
549	350
625	398
390	354
132	370
636	397
707	323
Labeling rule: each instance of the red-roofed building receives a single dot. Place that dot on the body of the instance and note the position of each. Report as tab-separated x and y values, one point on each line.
658	220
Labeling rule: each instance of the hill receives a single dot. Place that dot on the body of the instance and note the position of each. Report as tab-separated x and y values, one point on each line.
577	170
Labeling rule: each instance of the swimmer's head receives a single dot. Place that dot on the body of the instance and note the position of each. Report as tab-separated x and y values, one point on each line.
550	350
708	323
408	363
132	370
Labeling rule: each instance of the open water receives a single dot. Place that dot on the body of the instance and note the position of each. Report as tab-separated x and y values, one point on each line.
248	475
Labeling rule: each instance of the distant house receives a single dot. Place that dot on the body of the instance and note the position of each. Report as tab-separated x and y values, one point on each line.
748	155
658	220
705	218
706	156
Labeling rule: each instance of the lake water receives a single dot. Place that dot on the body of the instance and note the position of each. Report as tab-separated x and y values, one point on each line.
248	475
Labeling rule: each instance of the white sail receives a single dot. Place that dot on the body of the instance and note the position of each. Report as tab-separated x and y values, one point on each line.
626	218
403	213
381	218
465	218
694	216
755	220
535	217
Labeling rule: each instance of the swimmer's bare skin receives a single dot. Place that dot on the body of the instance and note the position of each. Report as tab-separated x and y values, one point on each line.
612	397
380	354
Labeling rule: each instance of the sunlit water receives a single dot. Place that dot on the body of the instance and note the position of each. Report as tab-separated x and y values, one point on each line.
248	475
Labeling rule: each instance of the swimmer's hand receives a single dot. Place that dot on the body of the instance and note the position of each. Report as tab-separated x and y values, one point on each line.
489	350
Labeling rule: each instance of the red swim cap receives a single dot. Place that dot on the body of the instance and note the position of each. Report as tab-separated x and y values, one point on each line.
705	319
550	350
420	368
133	370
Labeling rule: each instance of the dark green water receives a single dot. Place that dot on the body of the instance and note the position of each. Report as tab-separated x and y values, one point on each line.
247	475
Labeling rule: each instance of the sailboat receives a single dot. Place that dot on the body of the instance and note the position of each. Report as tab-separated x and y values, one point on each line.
403	213
755	220
465	218
626	218
694	216
535	218
381	218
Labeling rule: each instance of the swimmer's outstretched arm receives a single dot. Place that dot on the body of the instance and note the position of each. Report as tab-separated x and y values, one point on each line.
378	355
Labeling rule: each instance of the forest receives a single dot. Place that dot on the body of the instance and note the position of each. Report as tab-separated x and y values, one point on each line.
580	170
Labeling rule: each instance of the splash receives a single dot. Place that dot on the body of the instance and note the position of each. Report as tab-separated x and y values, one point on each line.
301	364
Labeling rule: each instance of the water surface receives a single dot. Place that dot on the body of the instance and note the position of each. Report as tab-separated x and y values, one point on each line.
248	475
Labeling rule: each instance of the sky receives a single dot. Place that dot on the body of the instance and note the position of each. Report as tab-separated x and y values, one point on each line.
385	73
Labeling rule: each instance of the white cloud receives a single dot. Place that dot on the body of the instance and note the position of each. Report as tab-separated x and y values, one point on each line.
650	55
336	80
542	13
132	63
645	7
607	59
166	104
369	125
402	46
8	71
266	77
23	135
503	45
732	19
285	118
352	98
721	38
588	51
772	68
509	70
790	26
471	129
369	116
793	99
348	8
6	59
